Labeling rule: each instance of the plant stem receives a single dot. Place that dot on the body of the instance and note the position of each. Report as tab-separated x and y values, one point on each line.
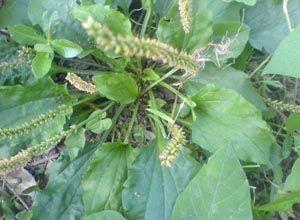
146	21
89	119
133	118
171	72
180	95
87	99
259	67
114	121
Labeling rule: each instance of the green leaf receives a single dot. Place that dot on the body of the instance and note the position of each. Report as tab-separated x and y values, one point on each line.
103	181
56	20
113	19
61	199
220	190
151	190
224	12
226	78
99	126
247	2
43	48
25	35
14	69
292	182
284	203
29	103
105	215
75	142
224	119
14	12
41	64
119	87
293	123
268	24
162	7
285	60
170	28
66	48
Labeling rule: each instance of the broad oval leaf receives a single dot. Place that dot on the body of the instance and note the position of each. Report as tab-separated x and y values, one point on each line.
220	190
17	8
119	87
56	16
103	14
62	197
292	182
268	24
15	69
224	118
105	215
229	78
247	2
151	189
103	181
285	60
23	114
170	29
25	35
41	64
66	48
284	203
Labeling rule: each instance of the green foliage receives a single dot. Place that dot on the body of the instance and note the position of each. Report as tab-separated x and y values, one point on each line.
149	109
284	60
265	19
117	86
220	190
151	189
35	115
25	35
105	215
235	123
292	182
14	68
170	30
61	199
103	191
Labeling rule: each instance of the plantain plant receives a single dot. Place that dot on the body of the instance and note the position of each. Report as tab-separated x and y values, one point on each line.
147	110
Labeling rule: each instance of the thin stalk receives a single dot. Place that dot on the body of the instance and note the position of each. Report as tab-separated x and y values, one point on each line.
259	67
114	121
159	130
146	21
87	99
85	62
170	73
133	118
180	95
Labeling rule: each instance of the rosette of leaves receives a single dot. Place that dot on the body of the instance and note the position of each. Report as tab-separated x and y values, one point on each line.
147	71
